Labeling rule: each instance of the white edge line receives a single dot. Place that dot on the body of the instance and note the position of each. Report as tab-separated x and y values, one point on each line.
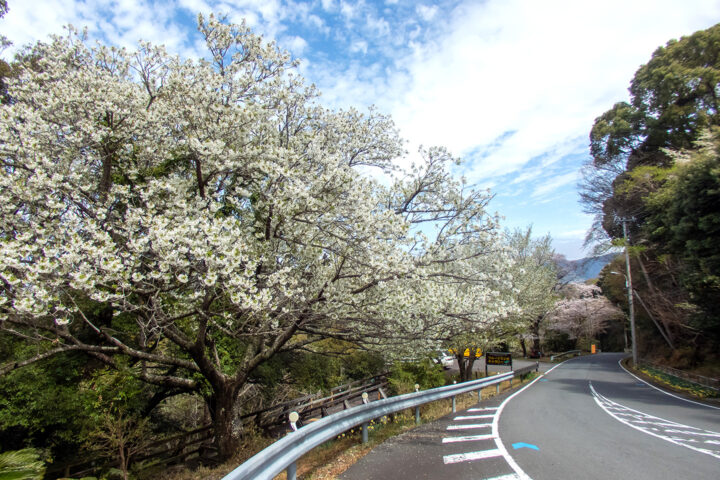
597	397
663	391
496	429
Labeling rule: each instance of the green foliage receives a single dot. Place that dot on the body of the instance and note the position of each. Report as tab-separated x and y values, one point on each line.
685	222
362	364
613	134
41	405
556	341
669	198
675	93
21	465
404	376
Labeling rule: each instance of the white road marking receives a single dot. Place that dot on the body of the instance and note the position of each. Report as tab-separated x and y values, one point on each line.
472	417
469	427
519	472
604	403
663	391
671	430
469	438
512	476
471	456
488	409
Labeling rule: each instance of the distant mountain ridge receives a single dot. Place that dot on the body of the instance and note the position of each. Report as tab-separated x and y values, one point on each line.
585	268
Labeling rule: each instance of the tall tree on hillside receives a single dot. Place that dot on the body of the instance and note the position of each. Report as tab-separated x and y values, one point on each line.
583	313
674	99
185	221
535	280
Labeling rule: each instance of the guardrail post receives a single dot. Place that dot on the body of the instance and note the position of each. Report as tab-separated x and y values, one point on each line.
292	471
497	389
479	395
511	378
454	403
417	409
365	432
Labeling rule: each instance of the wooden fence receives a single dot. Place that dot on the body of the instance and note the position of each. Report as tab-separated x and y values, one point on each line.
179	447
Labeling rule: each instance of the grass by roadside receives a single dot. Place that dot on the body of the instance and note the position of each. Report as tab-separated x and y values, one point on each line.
328	461
331	459
675	384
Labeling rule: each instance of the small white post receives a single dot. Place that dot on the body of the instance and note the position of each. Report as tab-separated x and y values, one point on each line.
294	417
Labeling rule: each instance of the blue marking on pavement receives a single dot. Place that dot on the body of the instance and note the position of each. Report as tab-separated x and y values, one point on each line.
543	380
525	445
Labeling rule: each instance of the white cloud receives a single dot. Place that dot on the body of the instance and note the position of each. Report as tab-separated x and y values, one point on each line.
295	44
544	69
427	13
359	46
462	75
349	10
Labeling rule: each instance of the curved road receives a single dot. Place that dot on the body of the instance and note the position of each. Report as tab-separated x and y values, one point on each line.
619	428
587	418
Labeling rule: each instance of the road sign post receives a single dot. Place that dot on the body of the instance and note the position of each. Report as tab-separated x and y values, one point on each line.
497	358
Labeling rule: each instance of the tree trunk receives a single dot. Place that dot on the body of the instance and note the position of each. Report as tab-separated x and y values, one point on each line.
522	344
535	330
465	365
461	365
470	362
222	410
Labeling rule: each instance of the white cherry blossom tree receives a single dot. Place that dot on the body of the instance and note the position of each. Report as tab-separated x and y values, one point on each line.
189	219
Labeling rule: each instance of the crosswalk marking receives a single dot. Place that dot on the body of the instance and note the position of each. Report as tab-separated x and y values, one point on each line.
471	456
472	417
469	426
468	438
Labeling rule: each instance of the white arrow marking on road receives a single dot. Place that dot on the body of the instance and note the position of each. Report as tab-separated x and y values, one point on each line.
471	456
469	438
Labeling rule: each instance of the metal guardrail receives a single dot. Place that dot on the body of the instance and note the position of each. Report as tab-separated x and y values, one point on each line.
284	453
178	447
569	352
712	383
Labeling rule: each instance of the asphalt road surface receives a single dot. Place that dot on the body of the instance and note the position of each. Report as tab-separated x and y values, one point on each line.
585	419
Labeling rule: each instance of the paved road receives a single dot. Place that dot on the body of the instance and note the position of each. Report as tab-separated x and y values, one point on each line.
619	428
586	418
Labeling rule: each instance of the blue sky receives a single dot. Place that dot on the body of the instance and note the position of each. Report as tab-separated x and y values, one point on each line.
510	86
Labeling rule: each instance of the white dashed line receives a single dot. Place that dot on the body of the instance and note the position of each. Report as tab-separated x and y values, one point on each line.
488	409
512	476
471	456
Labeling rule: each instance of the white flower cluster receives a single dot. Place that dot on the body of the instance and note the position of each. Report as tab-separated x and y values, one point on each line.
177	191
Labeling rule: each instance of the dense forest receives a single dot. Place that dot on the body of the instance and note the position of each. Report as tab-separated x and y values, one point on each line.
655	172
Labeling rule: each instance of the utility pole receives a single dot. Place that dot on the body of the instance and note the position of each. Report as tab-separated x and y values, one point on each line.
628	284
